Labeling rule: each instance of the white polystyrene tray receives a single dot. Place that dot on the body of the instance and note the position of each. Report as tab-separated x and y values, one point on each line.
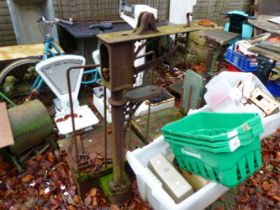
150	188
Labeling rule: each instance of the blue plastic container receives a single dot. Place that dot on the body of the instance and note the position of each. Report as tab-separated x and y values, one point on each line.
273	88
240	61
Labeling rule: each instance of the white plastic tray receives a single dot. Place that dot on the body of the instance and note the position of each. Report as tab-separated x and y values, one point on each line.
151	190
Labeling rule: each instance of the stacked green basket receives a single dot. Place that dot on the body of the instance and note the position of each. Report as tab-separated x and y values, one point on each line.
223	147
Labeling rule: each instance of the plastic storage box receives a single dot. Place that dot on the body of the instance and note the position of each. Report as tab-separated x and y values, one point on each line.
150	189
244	139
221	95
219	98
230	163
273	88
270	123
210	126
240	61
227	168
232	68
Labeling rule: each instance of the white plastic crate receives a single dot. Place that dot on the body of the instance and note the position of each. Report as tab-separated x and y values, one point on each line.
150	188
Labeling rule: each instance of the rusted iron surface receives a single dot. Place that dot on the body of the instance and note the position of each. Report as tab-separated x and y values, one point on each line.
6	136
158	60
30	123
117	73
146	24
125	36
116	63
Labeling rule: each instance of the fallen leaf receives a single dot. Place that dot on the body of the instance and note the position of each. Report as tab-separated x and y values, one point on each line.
88	201
76	199
266	186
70	207
51	157
244	199
39	157
92	192
94	201
27	178
114	207
45	164
70	200
41	192
132	206
274	196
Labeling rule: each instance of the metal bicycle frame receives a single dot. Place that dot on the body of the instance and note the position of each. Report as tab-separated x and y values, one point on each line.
52	49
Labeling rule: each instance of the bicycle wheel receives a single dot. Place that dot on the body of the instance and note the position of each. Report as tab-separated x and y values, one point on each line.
17	79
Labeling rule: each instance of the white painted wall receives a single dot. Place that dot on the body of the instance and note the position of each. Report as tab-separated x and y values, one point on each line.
179	9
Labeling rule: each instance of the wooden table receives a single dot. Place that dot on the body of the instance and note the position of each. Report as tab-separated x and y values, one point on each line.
20	51
262	23
217	41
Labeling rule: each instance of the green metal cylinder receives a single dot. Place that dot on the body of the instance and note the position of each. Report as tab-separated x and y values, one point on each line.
30	124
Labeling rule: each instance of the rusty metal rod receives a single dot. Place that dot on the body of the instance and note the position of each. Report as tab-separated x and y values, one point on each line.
149	108
130	128
189	14
105	125
74	136
157	60
152	52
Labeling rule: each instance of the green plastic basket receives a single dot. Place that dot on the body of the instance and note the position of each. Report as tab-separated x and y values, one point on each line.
244	139
212	126
229	169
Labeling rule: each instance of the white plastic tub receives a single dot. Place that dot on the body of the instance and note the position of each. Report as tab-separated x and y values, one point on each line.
222	96
151	190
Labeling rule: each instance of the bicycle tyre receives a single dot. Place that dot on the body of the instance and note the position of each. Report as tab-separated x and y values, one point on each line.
18	69
8	69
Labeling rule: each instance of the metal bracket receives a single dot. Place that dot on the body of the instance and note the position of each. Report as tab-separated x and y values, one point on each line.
146	24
